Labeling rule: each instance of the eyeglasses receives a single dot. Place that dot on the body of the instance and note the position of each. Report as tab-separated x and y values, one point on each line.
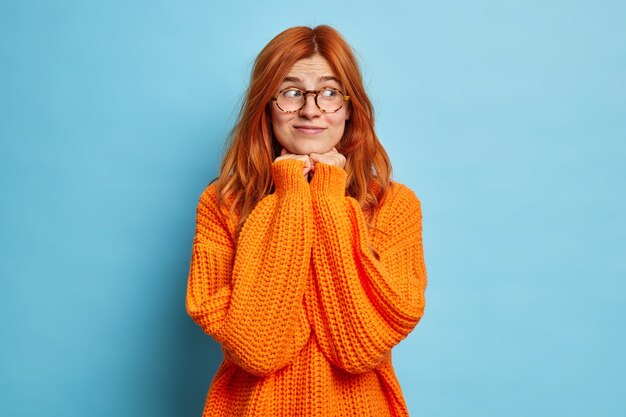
328	99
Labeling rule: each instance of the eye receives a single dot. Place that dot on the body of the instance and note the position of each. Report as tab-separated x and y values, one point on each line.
329	92
291	93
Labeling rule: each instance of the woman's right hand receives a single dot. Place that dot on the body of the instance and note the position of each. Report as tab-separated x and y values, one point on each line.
308	164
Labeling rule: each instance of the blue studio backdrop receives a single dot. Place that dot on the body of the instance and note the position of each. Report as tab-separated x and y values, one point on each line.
507	119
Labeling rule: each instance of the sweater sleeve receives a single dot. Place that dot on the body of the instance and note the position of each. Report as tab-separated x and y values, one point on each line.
249	296
363	305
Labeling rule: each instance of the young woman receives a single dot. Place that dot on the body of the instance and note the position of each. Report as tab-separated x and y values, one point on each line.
307	263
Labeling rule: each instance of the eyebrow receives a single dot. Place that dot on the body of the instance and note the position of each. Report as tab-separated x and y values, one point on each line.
325	78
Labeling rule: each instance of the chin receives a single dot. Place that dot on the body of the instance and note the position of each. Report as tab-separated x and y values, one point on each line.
308	148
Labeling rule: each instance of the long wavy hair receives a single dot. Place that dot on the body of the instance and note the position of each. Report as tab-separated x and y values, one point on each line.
245	175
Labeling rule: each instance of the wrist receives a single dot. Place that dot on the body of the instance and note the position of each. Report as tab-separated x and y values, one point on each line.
288	178
329	180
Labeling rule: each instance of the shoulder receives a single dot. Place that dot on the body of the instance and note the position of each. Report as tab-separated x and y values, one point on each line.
208	197
212	216
210	194
399	207
399	195
208	202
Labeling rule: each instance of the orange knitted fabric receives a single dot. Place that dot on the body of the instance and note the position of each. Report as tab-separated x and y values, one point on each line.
305	313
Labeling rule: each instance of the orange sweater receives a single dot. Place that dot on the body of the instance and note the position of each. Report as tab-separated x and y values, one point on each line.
306	315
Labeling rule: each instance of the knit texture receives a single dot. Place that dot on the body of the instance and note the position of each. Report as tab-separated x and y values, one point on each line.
305	312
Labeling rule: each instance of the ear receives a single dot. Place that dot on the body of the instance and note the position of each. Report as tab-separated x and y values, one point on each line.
348	112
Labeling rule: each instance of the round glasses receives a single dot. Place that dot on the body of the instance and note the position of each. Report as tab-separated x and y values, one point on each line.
328	99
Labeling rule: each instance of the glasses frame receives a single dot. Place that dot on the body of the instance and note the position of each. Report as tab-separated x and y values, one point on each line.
305	93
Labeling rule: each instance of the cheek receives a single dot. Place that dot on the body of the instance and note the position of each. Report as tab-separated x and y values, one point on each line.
280	127
280	119
338	121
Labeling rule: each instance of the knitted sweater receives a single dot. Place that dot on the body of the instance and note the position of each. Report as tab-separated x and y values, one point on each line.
305	313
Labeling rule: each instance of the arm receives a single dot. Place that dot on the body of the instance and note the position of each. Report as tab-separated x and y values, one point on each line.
363	305
249	296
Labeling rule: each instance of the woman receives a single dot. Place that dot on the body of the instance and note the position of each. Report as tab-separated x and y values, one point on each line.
307	263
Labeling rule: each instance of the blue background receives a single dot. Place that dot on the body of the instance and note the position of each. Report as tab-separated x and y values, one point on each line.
507	118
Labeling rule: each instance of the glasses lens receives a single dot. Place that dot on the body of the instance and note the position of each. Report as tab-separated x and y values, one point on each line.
330	99
290	99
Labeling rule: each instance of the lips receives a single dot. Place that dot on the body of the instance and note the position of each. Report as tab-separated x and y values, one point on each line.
309	129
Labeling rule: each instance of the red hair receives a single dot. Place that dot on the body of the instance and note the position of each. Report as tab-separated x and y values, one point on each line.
245	175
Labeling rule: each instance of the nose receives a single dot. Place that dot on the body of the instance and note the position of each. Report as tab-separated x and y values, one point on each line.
310	109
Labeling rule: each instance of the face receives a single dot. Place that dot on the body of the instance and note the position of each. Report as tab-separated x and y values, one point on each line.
309	129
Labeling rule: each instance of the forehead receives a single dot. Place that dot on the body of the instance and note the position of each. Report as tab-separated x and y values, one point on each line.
312	68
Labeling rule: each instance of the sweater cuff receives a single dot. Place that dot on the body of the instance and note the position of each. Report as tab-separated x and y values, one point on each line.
288	178
329	180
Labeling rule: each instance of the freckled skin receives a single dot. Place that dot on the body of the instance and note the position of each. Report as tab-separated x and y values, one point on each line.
309	70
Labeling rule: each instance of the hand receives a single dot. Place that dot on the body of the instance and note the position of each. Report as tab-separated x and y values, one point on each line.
308	165
332	157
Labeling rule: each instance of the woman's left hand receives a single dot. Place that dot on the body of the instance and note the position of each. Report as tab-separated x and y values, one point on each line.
332	157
